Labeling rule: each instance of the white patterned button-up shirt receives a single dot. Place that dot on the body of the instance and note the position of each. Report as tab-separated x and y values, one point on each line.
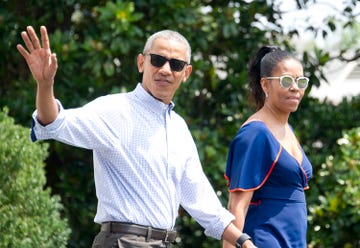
145	161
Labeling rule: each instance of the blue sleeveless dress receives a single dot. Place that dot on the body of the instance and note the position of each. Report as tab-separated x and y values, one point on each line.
277	215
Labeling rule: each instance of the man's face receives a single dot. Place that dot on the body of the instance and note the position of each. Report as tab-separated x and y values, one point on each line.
162	82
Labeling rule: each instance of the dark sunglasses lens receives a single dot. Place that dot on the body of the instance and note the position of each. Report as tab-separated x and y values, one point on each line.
302	82
176	65
157	60
286	81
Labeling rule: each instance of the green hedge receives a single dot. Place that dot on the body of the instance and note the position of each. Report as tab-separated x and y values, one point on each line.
336	218
30	216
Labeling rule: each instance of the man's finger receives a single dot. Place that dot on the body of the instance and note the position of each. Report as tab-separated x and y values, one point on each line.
27	41
44	37
53	64
22	51
33	37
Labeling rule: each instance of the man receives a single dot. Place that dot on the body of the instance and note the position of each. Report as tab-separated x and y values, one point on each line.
145	161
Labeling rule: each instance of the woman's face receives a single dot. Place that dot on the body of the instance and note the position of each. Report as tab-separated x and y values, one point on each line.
284	99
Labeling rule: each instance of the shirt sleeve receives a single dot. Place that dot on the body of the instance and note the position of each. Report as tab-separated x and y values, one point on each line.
200	201
252	156
84	127
43	132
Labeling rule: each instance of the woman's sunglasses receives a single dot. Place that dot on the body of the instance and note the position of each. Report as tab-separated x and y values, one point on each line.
286	81
175	64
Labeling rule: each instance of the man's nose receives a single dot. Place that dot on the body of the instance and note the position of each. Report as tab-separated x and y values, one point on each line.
166	67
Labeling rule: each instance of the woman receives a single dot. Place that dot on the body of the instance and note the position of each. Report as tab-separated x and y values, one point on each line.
267	169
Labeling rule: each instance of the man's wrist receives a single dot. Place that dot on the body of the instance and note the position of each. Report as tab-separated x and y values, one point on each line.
240	241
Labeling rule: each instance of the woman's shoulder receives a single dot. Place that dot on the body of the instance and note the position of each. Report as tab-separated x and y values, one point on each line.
256	126
252	131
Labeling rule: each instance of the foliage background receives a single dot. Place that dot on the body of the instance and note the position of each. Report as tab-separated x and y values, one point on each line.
30	216
96	43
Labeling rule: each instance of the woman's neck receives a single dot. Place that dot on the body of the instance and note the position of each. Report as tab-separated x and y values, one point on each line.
273	116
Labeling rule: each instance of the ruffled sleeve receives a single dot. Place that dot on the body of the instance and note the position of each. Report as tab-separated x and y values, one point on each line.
253	154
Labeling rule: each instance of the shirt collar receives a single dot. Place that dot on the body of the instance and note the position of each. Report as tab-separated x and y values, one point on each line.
154	104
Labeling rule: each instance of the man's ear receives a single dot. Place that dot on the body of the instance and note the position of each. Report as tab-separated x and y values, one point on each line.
140	62
188	71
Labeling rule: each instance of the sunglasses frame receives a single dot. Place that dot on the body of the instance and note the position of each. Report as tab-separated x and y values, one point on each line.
161	61
294	80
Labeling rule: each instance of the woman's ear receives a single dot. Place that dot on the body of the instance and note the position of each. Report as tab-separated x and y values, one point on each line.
265	85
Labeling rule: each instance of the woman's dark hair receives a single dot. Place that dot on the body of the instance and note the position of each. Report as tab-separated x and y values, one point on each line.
262	65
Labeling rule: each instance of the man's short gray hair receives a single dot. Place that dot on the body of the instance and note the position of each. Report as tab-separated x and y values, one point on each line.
168	35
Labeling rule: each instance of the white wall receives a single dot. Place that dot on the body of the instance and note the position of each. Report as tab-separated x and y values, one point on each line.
344	81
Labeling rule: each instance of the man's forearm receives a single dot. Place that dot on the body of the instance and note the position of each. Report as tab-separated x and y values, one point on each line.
47	108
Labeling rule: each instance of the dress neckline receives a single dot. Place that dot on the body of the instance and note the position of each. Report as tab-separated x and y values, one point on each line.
272	135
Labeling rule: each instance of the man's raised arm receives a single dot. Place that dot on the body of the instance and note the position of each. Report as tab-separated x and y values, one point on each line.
43	66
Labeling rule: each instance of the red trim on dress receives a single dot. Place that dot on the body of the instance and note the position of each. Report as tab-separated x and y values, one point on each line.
257	203
266	177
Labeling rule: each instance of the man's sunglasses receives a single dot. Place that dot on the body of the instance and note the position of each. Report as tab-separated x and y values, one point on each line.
286	81
175	64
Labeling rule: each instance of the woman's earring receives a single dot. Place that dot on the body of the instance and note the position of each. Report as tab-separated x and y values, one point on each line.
266	95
